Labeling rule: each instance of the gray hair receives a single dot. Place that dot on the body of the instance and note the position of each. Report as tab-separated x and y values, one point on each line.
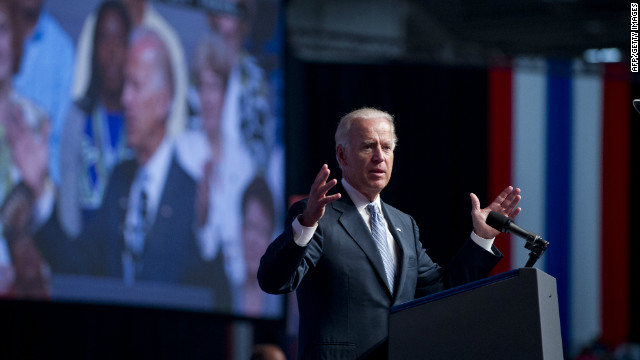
342	131
211	53
161	55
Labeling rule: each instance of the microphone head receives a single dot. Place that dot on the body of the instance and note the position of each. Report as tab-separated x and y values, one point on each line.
497	221
636	105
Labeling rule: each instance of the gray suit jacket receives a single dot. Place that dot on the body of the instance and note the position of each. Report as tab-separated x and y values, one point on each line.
342	294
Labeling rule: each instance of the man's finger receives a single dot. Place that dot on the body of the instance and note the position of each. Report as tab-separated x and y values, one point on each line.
475	202
329	199
322	176
326	187
513	196
511	203
503	195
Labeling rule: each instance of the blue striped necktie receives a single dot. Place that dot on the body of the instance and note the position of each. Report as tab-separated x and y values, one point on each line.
380	236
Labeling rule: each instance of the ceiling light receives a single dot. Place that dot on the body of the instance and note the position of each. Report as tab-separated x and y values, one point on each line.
606	55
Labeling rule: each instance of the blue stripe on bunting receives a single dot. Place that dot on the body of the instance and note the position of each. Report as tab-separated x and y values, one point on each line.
558	182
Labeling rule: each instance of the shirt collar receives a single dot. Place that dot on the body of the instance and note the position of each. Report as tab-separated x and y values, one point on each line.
156	171
359	200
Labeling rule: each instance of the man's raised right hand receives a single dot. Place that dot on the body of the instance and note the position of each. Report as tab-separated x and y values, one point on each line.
318	198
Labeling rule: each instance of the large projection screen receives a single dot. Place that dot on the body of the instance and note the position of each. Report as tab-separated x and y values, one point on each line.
142	158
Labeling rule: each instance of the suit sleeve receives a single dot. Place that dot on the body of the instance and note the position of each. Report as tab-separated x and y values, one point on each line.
470	263
285	263
63	254
431	276
85	253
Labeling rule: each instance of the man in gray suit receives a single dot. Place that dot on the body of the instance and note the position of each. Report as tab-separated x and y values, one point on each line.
346	280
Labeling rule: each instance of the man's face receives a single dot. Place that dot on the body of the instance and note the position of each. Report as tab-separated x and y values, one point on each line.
146	98
367	161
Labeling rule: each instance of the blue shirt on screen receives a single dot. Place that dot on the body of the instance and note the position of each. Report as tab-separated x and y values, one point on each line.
46	71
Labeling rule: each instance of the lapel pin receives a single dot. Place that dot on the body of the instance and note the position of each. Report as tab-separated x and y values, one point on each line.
166	211
399	229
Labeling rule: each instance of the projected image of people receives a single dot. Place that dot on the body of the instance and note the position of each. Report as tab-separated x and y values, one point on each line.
94	130
24	131
169	128
248	104
201	149
248	130
144	230
48	61
258	217
141	13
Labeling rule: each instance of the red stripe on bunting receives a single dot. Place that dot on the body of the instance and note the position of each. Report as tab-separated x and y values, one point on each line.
499	147
615	205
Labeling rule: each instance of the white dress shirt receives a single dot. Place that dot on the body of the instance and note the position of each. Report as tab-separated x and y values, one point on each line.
156	170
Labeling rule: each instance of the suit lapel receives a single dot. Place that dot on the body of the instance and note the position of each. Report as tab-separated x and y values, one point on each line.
165	210
353	224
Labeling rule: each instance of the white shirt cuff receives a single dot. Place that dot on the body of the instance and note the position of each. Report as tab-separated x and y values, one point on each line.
302	234
482	242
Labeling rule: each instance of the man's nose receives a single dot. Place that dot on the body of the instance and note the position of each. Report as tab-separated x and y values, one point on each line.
378	154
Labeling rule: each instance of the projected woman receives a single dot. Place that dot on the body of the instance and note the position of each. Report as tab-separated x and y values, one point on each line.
258	217
201	150
94	130
249	109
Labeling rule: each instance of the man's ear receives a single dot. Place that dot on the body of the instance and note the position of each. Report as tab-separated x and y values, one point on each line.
340	155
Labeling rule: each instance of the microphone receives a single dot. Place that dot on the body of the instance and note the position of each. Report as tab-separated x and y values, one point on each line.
506	225
535	243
